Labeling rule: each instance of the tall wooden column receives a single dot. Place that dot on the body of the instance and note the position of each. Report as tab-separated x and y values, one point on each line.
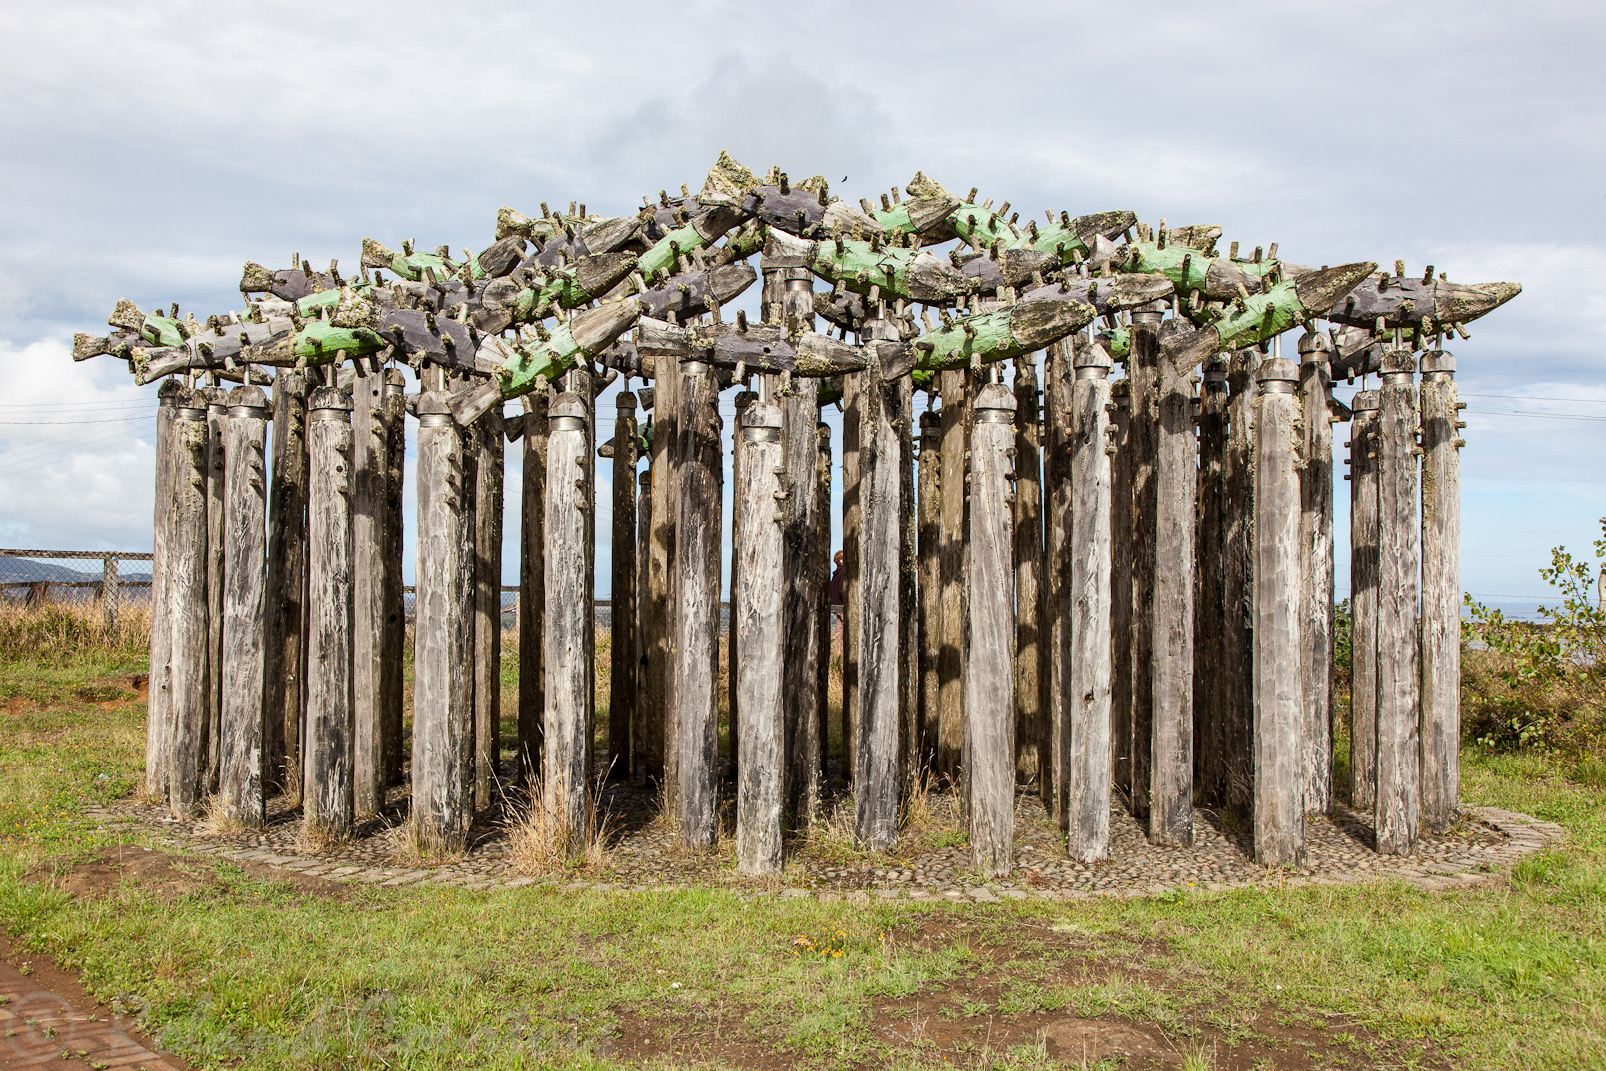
287	533
216	415
733	639
241	770
624	658
488	508
638	724
1121	590
1238	580
822	540
852	605
876	723
443	673
369	608
697	576
1316	570
532	586
326	769
570	677
951	562
1210	632
159	709
1031	648
909	762
1398	808
1441	592
1058	410
1144	437
1088	769
930	593
658	693
392	642
757	607
188	694
1363	600
1279	722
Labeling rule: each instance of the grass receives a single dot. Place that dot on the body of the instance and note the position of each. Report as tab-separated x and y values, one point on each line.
247	972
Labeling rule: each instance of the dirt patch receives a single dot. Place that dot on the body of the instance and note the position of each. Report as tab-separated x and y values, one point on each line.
168	877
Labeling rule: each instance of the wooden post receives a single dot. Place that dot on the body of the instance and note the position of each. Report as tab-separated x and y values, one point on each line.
624	658
822	540
370	475
1209	637
1441	592
1121	590
697	569
326	775
951	562
1088	771
287	533
1176	517
188	693
1316	571
109	593
638	724
733	641
1279	724
489	504
443	673
1238	579
1058	445
1144	437
852	602
757	613
159	707
532	587
990	603
930	593
570	678
1363	600
392	642
659	691
241	771
1398	808
1031	648
876	723
216	415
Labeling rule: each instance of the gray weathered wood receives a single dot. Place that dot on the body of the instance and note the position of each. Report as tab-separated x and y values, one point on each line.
158	735
909	760
109	594
1089	765
659	687
1316	571
1057	492
990	602
852	603
822	539
1238	581
697	577
1143	369
951	562
392	641
1031	649
757	614
370	474
489	504
443	672
1363	600
287	534
326	770
930	590
1121	590
570	679
733	641
804	573
876	723
638	724
1441	592
1279	724
624	658
532	586
241	769
1209	637
188	694
216	414
1398	805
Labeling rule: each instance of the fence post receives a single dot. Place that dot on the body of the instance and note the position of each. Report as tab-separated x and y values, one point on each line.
108	592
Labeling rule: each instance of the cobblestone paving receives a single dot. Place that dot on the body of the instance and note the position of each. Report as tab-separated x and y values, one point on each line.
643	854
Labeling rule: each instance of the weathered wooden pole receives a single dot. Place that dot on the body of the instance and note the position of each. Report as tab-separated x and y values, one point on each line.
370	476
570	678
638	724
1088	772
532	586
1363	600
757	612
1316	570
1398	807
1209	637
488	508
909	761
1238	733
822	540
443	671
930	592
1279	720
951	563
326	774
697	569
1441	592
624	658
287	534
241	770
852	602
216	415
159	708
1176	474
1058	411
188	693
733	640
658	693
989	677
876	723
1031	648
392	642
109	593
1143	368
1121	590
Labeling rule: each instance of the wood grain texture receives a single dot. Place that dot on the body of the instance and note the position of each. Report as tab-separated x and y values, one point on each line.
1279	722
1363	600
1144	438
241	765
1089	765
951	562
1031	650
1316	572
989	676
909	760
805	573
638	725
532	586
1238	581
216	415
1058	377
326	769
697	579
1441	593
189	696
624	658
823	540
369	609
659	690
852	523
488	511
158	735
570	680
393	744
733	641
930	590
1209	638
287	533
1121	592
757	613
1398	805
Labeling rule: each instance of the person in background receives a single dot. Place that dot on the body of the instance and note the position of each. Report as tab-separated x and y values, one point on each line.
837	581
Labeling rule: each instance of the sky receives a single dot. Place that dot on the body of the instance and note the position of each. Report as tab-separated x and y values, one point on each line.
152	149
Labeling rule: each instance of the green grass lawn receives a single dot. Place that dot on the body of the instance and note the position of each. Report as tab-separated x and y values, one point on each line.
233	970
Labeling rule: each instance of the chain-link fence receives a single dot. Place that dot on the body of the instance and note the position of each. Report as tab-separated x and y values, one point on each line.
35	579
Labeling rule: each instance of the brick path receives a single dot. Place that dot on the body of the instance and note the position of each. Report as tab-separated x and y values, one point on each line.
43	1029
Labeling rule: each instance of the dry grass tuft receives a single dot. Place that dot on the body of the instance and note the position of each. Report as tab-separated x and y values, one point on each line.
217	822
540	844
315	838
